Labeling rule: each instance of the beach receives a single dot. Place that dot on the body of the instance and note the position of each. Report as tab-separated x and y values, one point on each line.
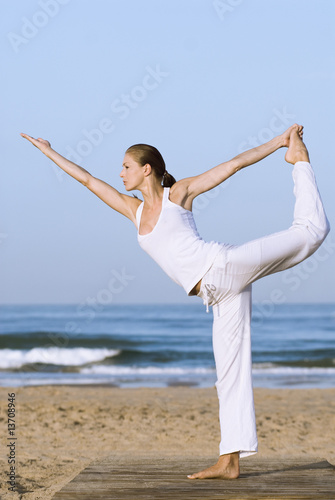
61	429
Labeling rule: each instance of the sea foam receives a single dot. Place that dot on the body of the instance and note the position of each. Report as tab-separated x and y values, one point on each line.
76	356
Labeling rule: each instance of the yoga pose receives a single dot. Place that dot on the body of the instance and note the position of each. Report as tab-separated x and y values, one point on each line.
218	273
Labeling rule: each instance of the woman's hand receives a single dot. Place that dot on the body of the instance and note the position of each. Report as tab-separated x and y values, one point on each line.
39	143
285	137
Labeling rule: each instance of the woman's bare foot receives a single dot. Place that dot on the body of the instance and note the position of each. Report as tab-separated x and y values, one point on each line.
297	150
227	467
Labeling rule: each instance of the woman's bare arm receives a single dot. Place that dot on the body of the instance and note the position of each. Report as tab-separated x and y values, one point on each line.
208	180
122	203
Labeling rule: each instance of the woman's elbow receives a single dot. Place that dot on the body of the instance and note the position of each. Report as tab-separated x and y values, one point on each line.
87	181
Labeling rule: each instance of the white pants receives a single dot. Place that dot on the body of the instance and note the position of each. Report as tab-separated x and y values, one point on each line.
227	287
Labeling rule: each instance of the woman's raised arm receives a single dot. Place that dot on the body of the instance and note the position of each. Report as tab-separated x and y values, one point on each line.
215	176
122	203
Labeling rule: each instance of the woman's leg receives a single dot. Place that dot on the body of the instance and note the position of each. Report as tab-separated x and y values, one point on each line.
232	353
230	279
277	252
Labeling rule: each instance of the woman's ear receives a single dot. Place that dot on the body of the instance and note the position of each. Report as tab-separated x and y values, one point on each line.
147	169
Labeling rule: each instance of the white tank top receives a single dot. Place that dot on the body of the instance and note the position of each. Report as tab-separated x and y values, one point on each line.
174	243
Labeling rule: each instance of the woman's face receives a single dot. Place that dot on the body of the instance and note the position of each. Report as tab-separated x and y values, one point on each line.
132	173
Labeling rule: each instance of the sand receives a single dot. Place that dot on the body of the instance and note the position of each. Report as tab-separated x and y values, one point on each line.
61	429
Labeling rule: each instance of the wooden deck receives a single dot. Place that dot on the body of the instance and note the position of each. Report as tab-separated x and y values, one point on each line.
165	478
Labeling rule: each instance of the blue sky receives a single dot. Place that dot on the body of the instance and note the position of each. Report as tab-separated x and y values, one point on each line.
201	80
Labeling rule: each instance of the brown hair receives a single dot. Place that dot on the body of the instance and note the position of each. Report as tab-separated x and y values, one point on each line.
143	154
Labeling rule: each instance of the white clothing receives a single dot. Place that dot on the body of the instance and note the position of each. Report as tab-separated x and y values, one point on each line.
227	287
174	243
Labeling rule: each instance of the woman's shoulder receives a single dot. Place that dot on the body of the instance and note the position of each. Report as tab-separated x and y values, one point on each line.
179	194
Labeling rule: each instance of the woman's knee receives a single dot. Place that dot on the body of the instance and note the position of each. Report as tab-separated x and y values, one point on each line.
312	237
326	230
318	235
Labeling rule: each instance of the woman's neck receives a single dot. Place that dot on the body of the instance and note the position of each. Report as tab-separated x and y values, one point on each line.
152	195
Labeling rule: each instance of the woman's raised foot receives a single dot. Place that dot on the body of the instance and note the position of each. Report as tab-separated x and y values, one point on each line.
297	150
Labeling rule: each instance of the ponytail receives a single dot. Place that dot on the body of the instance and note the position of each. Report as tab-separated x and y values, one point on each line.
168	179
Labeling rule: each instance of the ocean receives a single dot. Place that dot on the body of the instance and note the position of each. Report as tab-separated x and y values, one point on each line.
293	345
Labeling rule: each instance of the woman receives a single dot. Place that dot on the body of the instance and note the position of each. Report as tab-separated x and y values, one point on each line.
220	274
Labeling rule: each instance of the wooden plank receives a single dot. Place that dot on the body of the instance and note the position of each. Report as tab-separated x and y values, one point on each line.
142	478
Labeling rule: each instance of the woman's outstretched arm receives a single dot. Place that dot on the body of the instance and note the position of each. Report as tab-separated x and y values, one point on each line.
215	176
122	203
